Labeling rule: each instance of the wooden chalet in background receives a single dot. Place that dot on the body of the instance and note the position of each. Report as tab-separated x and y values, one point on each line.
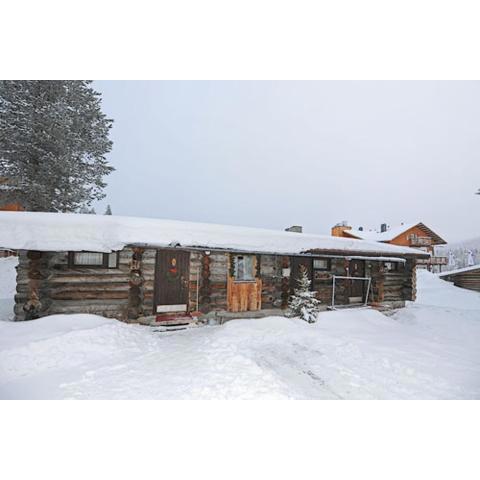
414	235
146	270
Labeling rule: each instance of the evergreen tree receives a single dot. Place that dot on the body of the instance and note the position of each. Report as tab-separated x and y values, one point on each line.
108	211
303	303
53	142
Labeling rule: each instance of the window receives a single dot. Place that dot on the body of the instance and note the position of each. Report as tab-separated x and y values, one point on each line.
93	259
390	266
244	268
112	259
320	264
88	258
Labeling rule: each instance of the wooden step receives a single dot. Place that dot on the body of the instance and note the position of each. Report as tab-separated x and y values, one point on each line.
173	328
173	320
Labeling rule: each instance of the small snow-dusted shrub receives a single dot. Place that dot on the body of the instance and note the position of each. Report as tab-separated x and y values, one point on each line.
303	302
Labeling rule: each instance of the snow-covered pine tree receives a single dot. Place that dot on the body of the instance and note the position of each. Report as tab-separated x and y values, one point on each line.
108	211
303	302
53	142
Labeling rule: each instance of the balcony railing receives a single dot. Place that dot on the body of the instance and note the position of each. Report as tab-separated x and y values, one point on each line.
433	261
415	241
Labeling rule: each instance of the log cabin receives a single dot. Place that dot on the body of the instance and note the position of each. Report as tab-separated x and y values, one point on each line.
149	270
415	235
468	277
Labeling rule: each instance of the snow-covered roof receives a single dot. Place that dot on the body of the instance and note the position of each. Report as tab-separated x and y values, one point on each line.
387	236
105	233
394	232
459	270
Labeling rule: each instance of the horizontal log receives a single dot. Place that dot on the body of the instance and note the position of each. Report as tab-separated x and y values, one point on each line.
88	287
89	296
108	304
89	278
105	310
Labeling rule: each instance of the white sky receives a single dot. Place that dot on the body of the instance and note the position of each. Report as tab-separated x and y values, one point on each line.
272	154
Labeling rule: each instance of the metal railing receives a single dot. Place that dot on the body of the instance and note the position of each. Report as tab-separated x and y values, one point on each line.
433	261
334	277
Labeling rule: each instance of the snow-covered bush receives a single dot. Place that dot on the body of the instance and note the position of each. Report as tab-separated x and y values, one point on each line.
303	302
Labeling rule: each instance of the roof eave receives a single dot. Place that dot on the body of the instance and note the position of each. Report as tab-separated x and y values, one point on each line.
369	254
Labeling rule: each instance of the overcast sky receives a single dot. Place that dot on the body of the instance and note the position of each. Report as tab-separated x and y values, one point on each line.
273	154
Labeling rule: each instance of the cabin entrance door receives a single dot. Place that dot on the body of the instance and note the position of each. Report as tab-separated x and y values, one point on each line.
356	288
171	281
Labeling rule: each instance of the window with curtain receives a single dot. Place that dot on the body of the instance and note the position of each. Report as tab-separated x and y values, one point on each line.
88	258
93	259
244	268
320	264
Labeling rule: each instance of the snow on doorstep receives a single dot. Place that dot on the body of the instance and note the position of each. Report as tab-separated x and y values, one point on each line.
105	233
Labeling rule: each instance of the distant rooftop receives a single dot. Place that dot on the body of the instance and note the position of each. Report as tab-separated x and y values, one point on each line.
393	232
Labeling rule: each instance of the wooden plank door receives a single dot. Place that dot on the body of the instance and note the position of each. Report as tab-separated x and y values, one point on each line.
171	281
356	268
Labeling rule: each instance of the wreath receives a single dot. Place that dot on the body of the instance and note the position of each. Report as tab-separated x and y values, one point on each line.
172	274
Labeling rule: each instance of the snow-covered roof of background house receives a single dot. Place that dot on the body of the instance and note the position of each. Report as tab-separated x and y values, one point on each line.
387	236
105	233
459	270
393	233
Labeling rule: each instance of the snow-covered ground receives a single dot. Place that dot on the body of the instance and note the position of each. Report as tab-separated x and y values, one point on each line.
428	350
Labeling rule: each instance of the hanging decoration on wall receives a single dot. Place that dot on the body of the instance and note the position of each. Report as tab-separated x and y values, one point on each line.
172	272
257	267
232	267
206	288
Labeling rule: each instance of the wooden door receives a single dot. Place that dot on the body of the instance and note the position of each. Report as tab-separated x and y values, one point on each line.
171	281
295	263
356	268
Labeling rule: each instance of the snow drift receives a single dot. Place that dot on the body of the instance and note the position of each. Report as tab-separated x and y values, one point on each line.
427	350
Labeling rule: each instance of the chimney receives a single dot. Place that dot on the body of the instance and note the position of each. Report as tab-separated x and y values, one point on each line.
383	227
295	229
339	228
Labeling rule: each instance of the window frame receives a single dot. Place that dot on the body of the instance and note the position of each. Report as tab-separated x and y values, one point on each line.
393	269
326	269
253	266
105	260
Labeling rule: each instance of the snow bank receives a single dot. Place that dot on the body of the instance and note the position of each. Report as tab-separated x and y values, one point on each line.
432	290
104	233
427	350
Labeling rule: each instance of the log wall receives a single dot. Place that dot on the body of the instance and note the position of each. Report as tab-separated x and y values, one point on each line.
47	285
469	280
